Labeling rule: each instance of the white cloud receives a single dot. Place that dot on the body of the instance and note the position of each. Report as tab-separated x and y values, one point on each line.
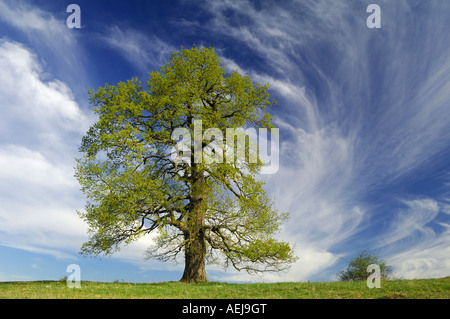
142	51
316	191
415	245
20	165
56	44
412	221
34	111
29	19
427	258
40	130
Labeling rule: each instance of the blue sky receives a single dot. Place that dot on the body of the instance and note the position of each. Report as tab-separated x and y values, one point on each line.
363	117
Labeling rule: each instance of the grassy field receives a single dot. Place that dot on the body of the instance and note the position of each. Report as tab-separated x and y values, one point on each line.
396	289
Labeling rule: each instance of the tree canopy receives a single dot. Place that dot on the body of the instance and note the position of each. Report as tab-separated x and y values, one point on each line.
135	184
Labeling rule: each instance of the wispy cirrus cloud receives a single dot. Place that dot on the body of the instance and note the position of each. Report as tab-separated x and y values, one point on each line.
31	19
358	111
412	222
416	243
142	51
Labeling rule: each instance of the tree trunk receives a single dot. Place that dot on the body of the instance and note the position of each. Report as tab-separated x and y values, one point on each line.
195	249
194	261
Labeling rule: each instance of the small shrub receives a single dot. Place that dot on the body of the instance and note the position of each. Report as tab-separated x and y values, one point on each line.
357	267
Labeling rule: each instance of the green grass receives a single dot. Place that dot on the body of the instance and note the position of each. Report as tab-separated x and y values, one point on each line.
395	289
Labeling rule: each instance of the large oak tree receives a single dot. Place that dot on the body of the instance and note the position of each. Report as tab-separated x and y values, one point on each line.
135	184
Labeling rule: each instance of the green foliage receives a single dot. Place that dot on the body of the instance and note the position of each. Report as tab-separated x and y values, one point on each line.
357	267
134	187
